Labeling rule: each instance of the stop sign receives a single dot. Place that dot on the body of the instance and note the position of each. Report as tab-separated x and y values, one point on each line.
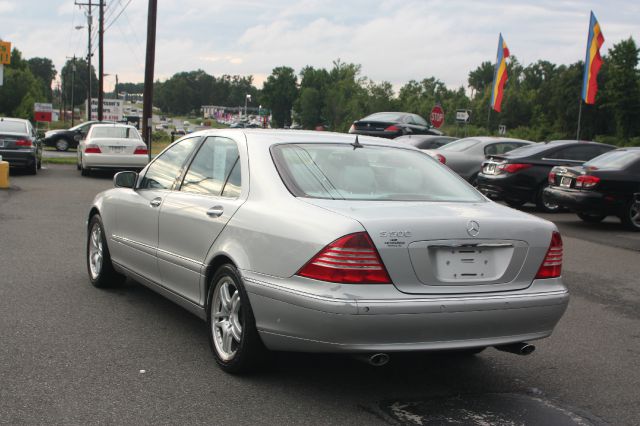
437	116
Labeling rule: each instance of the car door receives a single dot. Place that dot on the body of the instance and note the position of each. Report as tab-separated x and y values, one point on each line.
193	216
135	233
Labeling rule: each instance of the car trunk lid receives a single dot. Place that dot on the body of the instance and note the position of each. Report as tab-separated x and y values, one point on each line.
445	248
10	141
116	146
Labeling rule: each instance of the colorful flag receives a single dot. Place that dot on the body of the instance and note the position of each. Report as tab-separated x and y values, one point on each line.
499	75
592	61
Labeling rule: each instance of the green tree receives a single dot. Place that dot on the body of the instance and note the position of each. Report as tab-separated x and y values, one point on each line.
481	77
21	89
623	88
79	81
43	69
279	93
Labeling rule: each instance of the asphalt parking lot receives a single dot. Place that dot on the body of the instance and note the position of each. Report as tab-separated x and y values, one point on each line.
73	354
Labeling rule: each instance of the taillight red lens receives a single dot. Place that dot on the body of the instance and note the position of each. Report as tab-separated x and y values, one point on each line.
441	158
587	181
513	167
24	142
392	128
552	264
352	259
141	150
92	149
552	178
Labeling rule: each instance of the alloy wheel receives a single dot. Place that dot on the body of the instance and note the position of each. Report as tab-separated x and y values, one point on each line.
634	214
95	251
226	324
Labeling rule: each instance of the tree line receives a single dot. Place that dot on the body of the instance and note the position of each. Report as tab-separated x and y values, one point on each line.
541	100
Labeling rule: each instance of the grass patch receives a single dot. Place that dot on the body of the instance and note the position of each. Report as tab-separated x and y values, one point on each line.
59	160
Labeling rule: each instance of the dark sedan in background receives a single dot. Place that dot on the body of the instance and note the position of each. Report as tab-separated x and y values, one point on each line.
391	125
425	141
19	144
521	175
608	185
64	139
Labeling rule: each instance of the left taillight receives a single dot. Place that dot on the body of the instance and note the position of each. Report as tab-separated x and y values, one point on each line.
141	150
441	158
552	178
552	264
92	149
352	259
513	167
24	143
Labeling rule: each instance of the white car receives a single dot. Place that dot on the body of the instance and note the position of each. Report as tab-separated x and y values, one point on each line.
112	146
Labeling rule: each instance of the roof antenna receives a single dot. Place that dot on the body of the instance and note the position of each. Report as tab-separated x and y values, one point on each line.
357	144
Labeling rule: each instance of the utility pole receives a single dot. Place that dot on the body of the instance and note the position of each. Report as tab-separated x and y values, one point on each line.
89	24
101	62
147	105
73	83
116	88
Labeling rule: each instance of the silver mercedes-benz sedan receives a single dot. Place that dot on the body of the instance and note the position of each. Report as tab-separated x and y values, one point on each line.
323	242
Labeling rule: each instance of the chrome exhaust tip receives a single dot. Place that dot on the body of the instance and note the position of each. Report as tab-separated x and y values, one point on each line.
376	360
521	348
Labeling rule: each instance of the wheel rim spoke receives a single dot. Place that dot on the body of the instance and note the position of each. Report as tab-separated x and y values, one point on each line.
225	319
95	251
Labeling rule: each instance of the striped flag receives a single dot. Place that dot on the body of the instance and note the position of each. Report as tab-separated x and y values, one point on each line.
592	61
499	74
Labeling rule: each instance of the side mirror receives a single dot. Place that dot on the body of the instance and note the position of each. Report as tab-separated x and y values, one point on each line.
125	179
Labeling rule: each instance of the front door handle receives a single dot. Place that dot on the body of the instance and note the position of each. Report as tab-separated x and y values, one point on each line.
155	202
215	211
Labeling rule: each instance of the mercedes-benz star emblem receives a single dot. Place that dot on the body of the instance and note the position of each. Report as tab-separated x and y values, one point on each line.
473	228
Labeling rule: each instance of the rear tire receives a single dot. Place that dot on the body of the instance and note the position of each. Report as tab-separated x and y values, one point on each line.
99	266
62	144
544	205
32	169
631	216
234	339
83	171
591	218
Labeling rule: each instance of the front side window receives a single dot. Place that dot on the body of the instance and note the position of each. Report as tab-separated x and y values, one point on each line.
340	172
215	170
163	172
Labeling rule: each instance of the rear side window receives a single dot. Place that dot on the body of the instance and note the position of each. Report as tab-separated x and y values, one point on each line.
615	160
166	168
215	169
577	153
340	172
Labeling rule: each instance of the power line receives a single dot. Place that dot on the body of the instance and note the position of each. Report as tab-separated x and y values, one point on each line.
117	16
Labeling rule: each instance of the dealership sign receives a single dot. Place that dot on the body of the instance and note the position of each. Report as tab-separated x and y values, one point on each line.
42	112
112	109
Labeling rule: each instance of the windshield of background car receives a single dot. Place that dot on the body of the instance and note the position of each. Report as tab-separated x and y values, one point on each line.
460	145
115	132
13	127
618	159
340	172
384	116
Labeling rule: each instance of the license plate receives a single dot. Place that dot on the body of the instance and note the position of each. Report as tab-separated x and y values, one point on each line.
565	182
117	149
490	169
470	263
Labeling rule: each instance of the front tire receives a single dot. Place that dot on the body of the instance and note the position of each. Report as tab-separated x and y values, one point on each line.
99	266
233	336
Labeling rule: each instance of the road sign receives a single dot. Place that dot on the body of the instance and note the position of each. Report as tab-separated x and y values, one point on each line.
5	52
502	129
463	115
42	112
437	116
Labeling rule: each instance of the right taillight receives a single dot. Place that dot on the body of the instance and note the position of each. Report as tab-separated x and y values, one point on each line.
92	149
441	158
552	264
24	143
586	181
141	150
513	167
392	128
352	259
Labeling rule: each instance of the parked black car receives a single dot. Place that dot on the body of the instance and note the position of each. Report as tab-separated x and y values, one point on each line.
607	185
521	175
62	140
425	141
390	125
19	144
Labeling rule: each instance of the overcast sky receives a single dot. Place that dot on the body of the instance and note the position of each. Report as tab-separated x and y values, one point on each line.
393	40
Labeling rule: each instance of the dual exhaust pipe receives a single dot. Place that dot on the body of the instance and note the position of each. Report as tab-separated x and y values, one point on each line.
380	359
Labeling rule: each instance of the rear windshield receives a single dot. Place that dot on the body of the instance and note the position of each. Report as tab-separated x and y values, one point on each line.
115	132
13	127
340	172
384	116
618	159
525	151
460	145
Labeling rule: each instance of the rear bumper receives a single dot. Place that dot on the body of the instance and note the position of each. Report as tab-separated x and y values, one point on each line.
18	158
584	201
505	187
106	161
291	320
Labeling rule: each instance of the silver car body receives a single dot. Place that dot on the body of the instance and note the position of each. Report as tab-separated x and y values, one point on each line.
170	241
116	151
468	161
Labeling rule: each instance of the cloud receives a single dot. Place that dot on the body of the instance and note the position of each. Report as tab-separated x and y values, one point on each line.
7	6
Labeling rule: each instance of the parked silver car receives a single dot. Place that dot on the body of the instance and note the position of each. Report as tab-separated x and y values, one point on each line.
465	156
323	242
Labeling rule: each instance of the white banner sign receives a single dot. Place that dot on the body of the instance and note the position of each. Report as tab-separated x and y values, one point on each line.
111	109
42	107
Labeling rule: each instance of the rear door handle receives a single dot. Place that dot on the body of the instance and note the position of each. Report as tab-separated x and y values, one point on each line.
215	211
155	202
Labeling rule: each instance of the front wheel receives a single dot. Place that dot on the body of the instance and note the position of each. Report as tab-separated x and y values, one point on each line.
631	215
591	217
99	266
233	336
